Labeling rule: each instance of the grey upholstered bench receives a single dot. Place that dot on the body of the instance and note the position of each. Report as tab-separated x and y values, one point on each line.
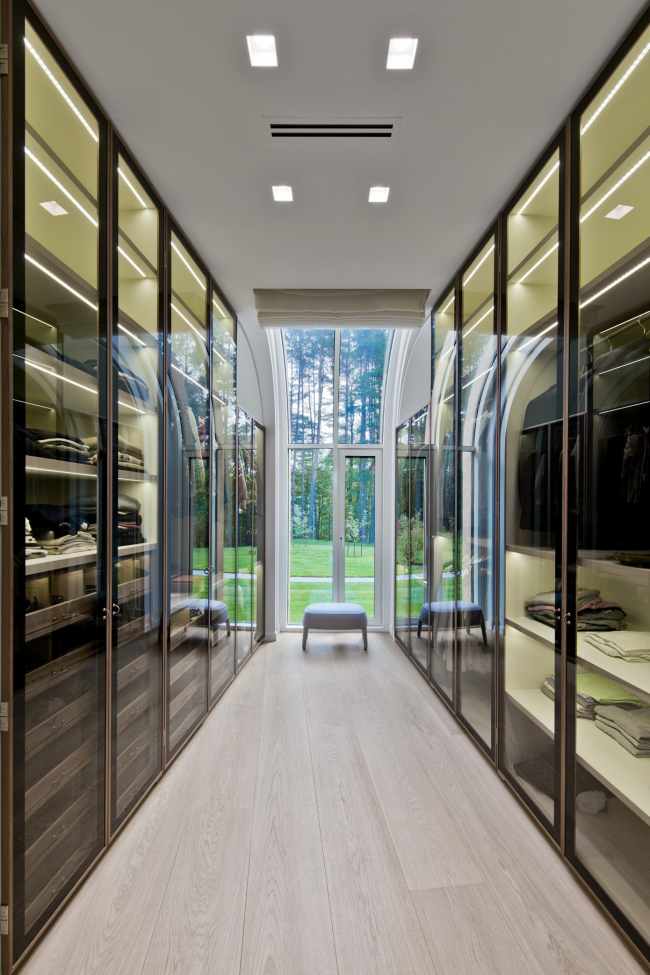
334	616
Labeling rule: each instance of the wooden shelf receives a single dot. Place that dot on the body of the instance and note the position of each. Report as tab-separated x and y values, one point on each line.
66	468
534	629
531	552
634	677
610	565
615	767
51	563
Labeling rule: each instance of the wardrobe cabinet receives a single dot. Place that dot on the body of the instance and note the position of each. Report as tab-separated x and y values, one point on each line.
132	498
536	584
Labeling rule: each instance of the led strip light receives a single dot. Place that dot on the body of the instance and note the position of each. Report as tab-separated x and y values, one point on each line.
131	335
190	378
535	337
622	180
540	261
479	265
59	186
188	322
58	87
541	185
616	88
131	261
59	281
449	303
132	188
481	319
189	268
623	366
480	375
56	375
614	283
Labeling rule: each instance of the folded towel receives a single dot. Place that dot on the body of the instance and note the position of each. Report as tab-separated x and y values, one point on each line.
634	646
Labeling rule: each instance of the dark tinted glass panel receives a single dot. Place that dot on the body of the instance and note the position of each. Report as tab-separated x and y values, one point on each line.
531	445
419	535
136	722
475	585
402	534
60	479
245	529
259	530
188	492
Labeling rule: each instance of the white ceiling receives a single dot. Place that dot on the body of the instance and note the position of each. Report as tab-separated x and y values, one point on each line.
493	80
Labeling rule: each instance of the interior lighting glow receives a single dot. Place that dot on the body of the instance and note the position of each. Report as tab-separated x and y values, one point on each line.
49	470
131	261
535	337
481	319
220	310
401	53
282	194
445	354
261	50
190	378
132	336
189	267
39	60
616	88
132	188
59	186
539	187
54	208
480	376
34	318
479	265
540	261
378	194
622	180
59	281
637	318
219	401
614	283
134	408
628	406
624	365
56	375
188	322
618	212
448	305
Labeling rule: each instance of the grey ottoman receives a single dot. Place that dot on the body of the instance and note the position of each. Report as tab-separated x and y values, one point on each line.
334	616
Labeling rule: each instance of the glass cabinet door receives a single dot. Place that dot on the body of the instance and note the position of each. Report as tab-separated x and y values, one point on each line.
476	481
259	443
223	495
608	825
419	533
246	518
531	457
60	371
402	534
136	696
188	490
440	614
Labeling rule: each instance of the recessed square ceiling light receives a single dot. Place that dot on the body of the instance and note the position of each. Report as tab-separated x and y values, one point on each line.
54	208
261	48
378	194
282	194
401	53
618	212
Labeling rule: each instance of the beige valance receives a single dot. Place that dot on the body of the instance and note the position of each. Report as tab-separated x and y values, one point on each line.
351	307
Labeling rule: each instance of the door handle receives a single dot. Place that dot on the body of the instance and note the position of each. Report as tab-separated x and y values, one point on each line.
117	611
208	570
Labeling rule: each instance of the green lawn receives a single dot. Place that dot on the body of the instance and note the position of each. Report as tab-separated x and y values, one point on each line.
201	559
304	593
315	559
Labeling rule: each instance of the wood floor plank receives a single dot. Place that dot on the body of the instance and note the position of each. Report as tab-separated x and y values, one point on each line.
287	929
324	701
467	933
428	845
375	925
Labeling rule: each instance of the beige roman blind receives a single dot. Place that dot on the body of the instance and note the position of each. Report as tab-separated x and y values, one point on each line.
351	307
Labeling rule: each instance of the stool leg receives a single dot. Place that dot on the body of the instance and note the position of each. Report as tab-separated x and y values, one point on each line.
365	638
419	627
305	631
228	627
483	630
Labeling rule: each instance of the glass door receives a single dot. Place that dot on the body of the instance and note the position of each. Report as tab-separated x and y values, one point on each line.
60	542
417	552
531	524
136	501
356	576
402	533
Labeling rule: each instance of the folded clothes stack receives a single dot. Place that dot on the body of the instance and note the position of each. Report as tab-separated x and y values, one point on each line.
594	613
634	647
593	690
33	550
129	533
44	443
81	542
631	729
129	455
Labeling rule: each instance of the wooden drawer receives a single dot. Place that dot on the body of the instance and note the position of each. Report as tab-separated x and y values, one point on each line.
59	776
59	722
55	617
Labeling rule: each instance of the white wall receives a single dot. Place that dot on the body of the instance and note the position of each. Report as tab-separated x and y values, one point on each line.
416	379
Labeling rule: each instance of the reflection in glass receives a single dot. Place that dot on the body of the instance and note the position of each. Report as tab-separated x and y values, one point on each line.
60	560
259	529
224	503
245	529
475	606
360	532
402	534
136	752
188	491
442	579
362	368
310	562
417	556
610	434
309	360
531	445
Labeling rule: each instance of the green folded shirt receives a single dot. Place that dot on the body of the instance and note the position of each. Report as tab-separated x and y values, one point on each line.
605	691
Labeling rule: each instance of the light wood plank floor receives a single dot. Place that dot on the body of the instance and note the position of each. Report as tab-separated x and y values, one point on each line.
329	819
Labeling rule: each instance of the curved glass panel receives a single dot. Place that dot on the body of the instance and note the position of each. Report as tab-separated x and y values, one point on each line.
136	720
187	497
476	479
402	534
531	445
439	620
610	437
418	559
59	484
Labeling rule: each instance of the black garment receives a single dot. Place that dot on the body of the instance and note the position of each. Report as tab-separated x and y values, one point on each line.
545	408
540	773
127	381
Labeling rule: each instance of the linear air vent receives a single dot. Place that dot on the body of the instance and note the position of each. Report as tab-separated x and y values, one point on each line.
289	130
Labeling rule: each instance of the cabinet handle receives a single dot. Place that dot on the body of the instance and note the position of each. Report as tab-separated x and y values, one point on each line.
116	610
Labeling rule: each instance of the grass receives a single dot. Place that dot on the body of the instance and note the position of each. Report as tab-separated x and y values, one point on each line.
315	559
304	593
